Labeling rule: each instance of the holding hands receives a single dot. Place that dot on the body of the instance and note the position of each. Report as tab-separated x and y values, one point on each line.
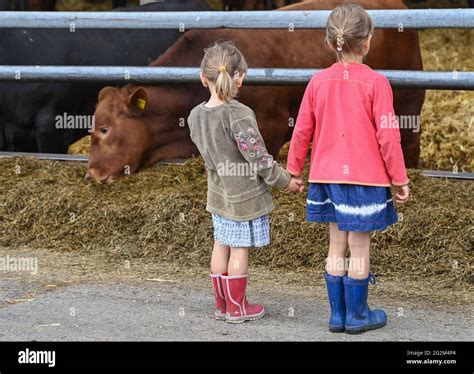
296	185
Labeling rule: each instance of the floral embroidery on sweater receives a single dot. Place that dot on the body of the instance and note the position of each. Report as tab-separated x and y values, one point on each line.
251	143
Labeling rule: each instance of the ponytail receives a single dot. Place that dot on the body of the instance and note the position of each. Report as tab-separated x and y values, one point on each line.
348	27
225	85
223	64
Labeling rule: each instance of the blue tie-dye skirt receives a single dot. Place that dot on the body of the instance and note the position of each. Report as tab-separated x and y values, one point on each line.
352	207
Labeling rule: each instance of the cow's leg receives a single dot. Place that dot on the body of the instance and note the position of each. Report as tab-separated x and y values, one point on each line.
408	105
411	147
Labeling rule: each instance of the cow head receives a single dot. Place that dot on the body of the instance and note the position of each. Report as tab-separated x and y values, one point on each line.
121	136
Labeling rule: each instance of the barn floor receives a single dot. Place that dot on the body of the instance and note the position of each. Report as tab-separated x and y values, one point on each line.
156	302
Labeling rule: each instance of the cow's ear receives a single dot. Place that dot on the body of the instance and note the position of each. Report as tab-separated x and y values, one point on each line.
105	92
138	99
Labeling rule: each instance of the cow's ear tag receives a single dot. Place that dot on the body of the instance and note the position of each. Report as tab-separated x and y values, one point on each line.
141	104
138	99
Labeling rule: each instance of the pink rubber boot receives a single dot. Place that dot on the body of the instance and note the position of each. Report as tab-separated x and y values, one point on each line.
238	308
217	285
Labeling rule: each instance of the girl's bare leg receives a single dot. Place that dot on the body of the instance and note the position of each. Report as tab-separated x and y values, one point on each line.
338	242
359	245
238	261
220	258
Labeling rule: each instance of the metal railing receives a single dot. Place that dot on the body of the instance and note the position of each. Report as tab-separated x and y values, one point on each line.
183	75
387	18
75	21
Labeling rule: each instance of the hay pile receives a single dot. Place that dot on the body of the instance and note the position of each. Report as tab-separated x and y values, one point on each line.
447	138
160	215
81	147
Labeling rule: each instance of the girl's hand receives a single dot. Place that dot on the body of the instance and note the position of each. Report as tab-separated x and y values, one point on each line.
296	185
402	194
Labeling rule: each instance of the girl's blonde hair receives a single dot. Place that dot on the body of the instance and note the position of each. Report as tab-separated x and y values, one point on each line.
222	64
348	27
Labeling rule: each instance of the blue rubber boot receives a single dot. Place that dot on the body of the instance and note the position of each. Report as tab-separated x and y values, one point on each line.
359	317
335	288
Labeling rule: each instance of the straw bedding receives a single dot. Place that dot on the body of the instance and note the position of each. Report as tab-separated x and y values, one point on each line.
160	214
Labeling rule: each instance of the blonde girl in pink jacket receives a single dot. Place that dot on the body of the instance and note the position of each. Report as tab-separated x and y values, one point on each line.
347	114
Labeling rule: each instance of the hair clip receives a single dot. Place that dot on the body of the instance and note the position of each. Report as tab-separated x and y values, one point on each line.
340	42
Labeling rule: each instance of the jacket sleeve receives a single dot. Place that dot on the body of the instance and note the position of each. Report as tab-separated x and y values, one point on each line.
302	133
388	132
251	145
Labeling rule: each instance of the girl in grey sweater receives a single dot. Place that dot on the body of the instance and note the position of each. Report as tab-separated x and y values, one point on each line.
240	171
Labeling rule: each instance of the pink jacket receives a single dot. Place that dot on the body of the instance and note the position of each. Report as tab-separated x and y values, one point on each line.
347	112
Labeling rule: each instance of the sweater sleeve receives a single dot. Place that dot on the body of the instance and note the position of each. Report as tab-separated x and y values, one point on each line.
388	132
302	133
251	145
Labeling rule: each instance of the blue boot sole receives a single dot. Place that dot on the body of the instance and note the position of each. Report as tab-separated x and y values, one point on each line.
337	329
361	329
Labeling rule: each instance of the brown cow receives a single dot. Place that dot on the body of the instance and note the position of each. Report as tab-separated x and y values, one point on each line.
127	138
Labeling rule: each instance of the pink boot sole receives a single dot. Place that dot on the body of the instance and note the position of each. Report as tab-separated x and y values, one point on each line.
242	319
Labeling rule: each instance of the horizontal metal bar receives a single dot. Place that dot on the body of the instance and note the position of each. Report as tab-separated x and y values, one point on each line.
448	174
387	18
185	75
76	158
46	156
85	158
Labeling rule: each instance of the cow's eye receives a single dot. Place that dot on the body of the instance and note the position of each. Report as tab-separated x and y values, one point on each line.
104	130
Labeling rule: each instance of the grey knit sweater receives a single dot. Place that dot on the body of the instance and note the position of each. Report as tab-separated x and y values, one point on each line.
239	168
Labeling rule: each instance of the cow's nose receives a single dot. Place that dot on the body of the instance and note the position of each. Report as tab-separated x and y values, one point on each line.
93	175
109	179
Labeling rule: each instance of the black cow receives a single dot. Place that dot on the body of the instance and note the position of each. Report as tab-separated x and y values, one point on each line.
28	110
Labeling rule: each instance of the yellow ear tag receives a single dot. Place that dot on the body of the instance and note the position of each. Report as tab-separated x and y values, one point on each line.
141	104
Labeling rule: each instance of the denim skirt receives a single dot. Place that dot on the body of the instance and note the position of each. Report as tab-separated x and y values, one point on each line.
352	207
